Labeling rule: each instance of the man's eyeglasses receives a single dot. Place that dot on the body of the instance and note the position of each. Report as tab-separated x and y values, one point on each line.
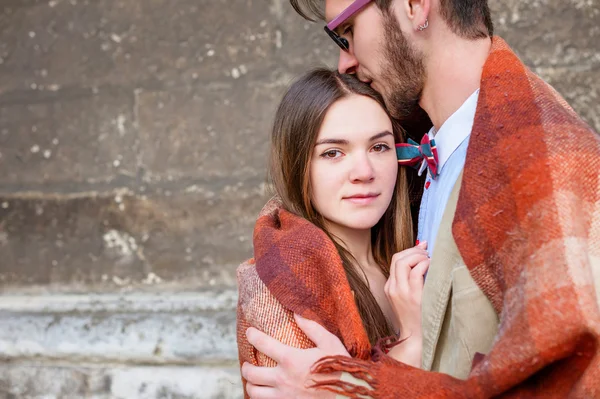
340	19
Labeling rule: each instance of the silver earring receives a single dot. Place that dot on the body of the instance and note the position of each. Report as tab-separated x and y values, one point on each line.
424	26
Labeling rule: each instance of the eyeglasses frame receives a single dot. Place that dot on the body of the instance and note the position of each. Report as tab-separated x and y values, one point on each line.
340	19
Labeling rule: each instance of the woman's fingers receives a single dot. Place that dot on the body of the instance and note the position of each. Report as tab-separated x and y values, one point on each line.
408	263
400	284
421	268
391	282
417	274
403	254
400	272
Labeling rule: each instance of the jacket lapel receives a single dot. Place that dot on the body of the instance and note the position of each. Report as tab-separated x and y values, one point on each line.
438	283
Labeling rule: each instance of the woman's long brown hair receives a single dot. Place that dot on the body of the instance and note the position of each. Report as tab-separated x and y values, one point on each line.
297	123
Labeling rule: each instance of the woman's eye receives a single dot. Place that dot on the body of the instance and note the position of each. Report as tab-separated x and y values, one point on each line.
380	147
347	30
332	154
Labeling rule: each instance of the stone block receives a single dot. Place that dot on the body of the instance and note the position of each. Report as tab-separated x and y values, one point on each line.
213	131
183	328
162	43
195	236
201	301
551	32
34	380
64	139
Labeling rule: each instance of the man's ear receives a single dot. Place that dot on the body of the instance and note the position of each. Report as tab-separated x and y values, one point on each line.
417	12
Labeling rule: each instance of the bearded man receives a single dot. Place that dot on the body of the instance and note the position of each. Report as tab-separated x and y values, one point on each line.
511	215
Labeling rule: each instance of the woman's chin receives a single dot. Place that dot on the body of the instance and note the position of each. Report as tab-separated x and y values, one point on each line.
362	224
356	220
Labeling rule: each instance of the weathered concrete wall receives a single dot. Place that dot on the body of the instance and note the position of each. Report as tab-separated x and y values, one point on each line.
133	140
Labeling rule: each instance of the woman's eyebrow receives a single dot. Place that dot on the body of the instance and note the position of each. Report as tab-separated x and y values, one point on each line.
380	135
332	141
346	142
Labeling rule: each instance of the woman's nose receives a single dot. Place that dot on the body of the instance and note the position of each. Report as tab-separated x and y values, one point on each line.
362	170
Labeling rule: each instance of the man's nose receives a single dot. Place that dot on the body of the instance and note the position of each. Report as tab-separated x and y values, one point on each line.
347	62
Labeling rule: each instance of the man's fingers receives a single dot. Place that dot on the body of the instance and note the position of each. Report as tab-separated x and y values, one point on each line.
322	338
259	375
267	344
260	392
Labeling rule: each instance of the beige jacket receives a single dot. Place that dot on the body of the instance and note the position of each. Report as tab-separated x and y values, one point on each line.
458	319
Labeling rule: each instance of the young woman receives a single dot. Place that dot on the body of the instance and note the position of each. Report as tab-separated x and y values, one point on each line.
334	244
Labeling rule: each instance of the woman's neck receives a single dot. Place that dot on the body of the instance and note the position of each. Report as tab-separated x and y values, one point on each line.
357	242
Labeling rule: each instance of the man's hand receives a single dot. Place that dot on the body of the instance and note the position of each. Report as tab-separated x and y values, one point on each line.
292	377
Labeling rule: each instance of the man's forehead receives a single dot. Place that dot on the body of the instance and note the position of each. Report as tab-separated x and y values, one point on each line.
334	7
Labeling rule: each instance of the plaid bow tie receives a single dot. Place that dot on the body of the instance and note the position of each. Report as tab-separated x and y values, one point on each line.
421	157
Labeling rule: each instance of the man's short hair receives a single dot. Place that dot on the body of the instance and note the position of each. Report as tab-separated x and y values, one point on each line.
470	19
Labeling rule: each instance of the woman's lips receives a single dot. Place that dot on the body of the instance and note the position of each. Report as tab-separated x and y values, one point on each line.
362	199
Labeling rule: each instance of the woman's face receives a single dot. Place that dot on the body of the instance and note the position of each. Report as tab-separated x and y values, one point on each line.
353	167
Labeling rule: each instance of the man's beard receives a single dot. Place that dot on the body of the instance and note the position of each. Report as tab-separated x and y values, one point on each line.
402	71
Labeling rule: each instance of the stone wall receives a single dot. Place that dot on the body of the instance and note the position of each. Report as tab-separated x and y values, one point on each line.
133	137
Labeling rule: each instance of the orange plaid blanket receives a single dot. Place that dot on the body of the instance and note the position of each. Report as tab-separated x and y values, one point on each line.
527	225
296	269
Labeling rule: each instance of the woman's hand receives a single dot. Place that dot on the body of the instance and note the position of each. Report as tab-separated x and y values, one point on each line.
404	290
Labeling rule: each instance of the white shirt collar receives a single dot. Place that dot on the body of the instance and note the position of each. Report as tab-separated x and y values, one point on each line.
455	130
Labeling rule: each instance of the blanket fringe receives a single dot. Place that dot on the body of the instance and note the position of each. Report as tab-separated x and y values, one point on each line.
357	368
